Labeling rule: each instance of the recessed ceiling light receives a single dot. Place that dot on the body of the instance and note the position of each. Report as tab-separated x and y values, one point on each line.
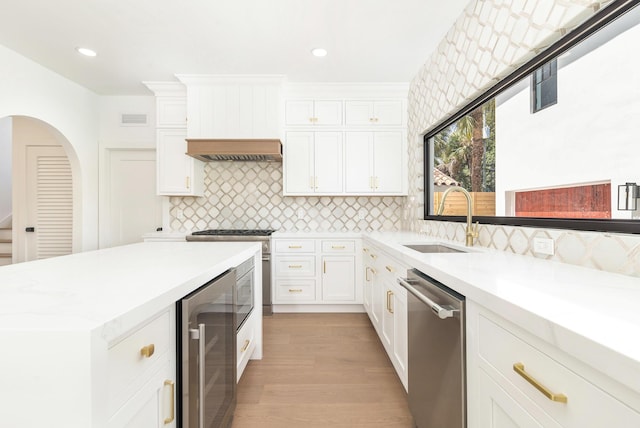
319	52
87	52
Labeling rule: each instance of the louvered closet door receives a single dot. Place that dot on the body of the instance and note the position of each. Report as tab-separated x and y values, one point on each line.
49	203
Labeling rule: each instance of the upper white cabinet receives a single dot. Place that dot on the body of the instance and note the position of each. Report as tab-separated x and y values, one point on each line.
376	163
177	173
374	113
313	163
233	107
310	112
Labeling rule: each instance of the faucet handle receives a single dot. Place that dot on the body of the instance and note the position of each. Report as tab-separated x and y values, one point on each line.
475	230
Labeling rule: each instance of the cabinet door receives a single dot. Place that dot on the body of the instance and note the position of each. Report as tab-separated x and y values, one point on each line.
377	300
387	113
368	288
388	317
328	162
338	278
178	174
498	410
328	112
400	333
388	162
359	162
266	113
298	163
171	112
299	112
359	113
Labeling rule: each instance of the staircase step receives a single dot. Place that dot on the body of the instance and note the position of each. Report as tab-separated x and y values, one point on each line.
5	234
5	241
5	255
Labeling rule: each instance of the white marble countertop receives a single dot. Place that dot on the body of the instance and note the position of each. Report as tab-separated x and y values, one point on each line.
112	289
590	314
318	235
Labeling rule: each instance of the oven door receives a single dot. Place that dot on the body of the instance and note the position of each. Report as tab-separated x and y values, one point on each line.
244	298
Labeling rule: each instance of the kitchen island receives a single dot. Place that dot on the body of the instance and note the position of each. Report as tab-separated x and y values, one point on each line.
71	329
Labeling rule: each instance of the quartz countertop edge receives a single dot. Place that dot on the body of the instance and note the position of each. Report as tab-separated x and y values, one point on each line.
592	315
110	291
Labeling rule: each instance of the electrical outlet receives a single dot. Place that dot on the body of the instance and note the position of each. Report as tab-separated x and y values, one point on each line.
544	246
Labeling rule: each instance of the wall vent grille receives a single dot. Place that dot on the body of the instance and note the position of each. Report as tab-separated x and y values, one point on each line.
133	119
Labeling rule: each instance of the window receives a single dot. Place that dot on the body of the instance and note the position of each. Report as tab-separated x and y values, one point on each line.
544	86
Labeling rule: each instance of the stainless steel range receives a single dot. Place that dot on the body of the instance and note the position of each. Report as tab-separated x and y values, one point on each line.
259	235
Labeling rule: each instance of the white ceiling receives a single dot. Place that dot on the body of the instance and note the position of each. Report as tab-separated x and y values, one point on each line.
141	40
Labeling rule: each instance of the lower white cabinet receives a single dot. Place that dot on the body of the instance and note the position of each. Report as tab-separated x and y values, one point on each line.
386	303
517	380
316	271
141	375
245	344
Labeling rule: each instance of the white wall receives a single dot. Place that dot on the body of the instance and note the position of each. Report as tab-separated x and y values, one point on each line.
589	136
114	134
28	89
5	171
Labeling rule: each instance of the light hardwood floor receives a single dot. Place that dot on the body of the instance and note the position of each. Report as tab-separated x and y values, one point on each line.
321	370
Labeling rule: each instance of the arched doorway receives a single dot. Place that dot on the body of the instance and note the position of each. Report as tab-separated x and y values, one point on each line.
42	196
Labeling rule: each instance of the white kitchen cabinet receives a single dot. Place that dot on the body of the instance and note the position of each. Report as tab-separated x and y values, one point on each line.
171	112
245	344
178	174
388	307
313	112
313	163
374	113
338	278
233	107
516	379
376	163
141	375
316	271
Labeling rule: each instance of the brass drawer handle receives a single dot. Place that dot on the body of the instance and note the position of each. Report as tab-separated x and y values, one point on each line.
389	295
519	368
373	256
324	267
147	351
172	384
366	274
295	290
366	250
245	346
295	266
338	247
295	246
390	268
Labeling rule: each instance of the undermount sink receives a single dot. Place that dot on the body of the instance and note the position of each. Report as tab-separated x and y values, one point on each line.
433	248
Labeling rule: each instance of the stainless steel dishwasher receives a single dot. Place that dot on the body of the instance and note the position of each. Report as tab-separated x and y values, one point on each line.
437	381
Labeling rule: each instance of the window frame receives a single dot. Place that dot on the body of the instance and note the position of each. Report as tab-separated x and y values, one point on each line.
541	83
590	26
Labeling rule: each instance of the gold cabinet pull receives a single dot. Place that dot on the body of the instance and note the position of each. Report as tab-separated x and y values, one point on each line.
366	274
373	256
373	271
315	183
188	182
324	266
390	268
147	351
519	368
295	290
295	266
376	182
311	182
245	346
172	384
295	246
389	295
366	250
338	247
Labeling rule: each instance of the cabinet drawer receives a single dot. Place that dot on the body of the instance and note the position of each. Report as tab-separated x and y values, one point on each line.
296	246
245	341
133	360
296	266
338	246
296	290
586	404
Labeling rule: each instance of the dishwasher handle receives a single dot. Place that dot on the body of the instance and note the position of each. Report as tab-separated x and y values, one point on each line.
443	312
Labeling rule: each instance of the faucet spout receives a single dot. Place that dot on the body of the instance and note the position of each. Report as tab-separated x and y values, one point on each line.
471	233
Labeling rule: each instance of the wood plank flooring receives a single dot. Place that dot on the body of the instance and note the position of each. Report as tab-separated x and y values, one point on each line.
321	370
